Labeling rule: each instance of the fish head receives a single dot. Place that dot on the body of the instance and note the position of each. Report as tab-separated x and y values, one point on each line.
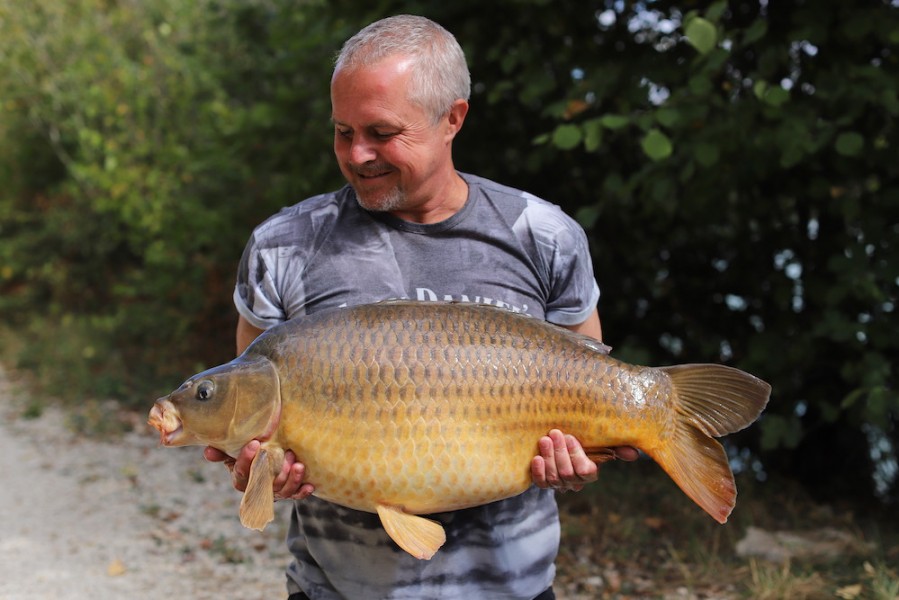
224	407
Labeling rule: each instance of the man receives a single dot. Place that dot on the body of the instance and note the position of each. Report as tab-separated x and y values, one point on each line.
409	225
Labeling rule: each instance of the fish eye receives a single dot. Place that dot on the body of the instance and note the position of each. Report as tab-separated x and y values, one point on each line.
205	390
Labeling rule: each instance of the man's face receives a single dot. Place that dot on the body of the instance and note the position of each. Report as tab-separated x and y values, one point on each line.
387	147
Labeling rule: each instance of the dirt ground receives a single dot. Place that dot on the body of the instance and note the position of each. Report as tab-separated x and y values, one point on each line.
123	519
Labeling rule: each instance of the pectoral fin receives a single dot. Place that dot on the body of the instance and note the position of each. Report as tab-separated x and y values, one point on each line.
416	535
257	509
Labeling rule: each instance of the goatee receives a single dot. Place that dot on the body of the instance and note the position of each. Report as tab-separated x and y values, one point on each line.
389	202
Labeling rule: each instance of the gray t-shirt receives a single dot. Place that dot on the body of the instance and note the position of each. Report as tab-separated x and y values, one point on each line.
506	248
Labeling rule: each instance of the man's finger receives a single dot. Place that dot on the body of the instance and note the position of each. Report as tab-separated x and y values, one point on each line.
626	453
564	468
538	472
550	469
584	469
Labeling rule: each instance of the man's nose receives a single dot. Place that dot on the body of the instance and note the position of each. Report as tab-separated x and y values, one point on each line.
361	150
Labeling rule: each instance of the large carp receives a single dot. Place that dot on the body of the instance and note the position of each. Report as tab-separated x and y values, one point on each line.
409	408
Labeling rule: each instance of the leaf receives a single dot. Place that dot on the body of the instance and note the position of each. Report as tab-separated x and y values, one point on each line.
587	216
116	568
755	32
850	592
772	95
849	143
775	96
614	122
852	398
656	145
701	34
567	136
592	134
706	154
700	84
716	11
574	107
668	117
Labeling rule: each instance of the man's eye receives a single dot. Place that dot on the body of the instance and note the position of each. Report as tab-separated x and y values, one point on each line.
384	135
345	133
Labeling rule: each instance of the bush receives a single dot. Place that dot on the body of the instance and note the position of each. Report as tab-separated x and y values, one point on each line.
139	144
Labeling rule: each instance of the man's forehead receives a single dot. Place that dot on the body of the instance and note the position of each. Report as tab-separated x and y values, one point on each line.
373	107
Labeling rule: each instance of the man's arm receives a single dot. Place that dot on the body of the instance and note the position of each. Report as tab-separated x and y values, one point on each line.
591	326
246	333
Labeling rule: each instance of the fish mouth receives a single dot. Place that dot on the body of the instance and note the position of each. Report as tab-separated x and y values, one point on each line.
165	418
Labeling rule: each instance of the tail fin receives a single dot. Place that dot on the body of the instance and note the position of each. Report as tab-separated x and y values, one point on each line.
710	401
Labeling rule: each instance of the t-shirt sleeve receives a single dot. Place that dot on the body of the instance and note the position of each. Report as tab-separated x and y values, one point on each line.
574	288
271	284
256	295
564	255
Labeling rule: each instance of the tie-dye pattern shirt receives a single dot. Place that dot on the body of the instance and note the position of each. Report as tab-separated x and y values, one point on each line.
504	247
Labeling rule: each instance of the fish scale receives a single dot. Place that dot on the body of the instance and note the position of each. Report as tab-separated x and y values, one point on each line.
409	408
477	383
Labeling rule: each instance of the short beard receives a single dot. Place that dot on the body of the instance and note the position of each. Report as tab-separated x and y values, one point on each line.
393	200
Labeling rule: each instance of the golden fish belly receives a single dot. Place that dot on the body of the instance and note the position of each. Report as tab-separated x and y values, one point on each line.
412	408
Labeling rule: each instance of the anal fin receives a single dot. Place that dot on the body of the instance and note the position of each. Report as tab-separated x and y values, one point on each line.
600	455
418	536
257	508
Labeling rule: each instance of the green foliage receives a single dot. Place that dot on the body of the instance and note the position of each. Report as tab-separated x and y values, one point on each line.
656	145
734	163
746	207
700	33
140	143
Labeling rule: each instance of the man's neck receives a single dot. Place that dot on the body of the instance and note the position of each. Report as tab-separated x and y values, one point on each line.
442	205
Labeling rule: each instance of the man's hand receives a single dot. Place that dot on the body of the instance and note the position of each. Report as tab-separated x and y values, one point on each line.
563	465
287	485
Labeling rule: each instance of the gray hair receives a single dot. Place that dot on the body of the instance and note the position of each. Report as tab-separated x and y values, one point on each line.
439	73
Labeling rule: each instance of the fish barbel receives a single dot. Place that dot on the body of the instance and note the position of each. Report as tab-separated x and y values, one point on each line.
407	408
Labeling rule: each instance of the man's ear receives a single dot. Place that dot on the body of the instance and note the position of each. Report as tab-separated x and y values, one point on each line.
456	117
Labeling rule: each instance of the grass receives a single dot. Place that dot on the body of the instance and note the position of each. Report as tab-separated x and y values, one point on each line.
636	535
774	582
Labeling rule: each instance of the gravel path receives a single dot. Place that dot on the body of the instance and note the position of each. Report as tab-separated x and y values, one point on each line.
123	519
